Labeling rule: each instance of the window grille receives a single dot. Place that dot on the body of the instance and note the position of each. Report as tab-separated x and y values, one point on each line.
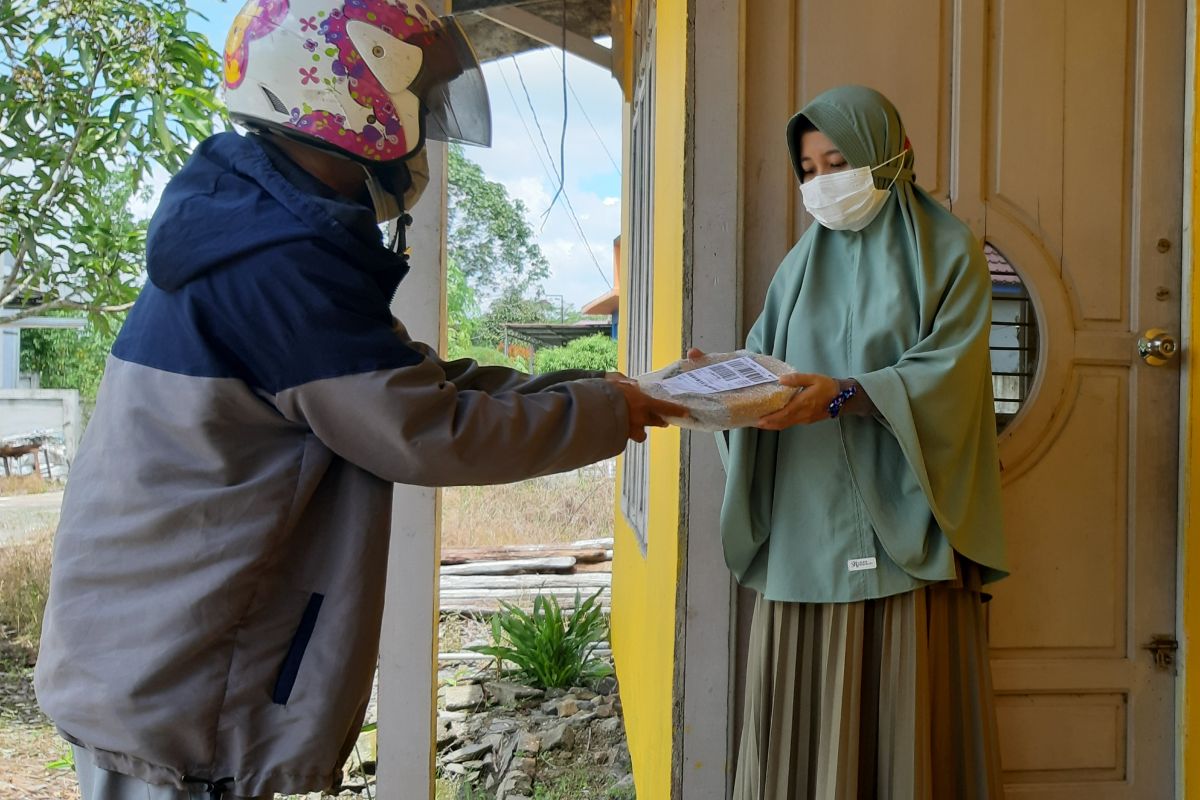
635	484
1013	340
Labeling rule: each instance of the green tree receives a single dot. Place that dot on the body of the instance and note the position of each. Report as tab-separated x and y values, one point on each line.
489	236
462	310
69	359
511	306
590	352
90	89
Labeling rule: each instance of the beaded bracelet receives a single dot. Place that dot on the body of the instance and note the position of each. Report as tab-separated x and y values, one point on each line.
843	397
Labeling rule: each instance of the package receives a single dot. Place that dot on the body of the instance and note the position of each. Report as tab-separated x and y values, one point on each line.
721	390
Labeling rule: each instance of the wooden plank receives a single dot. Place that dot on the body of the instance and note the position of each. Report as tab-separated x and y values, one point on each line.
603	566
484	609
551	33
466	602
582	581
582	555
512	567
469	655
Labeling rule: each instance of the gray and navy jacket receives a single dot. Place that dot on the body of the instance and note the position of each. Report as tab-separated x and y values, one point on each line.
217	589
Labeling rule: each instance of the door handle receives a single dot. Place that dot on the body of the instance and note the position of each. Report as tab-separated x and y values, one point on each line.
1157	347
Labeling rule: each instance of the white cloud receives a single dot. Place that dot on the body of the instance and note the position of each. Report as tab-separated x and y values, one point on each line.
518	159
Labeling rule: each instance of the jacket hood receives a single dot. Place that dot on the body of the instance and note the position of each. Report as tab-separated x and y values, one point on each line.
230	200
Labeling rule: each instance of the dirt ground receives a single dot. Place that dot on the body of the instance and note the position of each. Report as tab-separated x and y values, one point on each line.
27	740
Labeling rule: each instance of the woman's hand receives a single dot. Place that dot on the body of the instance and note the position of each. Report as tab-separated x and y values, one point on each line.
810	404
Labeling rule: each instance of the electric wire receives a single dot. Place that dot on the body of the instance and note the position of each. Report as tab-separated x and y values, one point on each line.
554	174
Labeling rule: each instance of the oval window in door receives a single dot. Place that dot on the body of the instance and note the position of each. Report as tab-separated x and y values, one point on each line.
1014	338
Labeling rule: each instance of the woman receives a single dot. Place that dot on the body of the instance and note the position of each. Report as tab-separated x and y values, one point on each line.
866	513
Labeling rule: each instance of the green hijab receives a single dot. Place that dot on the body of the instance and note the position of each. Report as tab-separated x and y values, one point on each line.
903	307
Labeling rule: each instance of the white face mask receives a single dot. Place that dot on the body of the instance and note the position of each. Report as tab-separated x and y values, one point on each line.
846	201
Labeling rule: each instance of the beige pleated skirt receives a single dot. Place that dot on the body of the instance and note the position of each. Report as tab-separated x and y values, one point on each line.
886	699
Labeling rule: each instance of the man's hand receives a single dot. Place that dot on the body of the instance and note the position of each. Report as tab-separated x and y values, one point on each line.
810	404
645	410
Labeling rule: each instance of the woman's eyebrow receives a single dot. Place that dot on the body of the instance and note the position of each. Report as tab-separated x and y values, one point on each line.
834	152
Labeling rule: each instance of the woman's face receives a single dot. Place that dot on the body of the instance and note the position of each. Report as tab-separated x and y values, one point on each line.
819	156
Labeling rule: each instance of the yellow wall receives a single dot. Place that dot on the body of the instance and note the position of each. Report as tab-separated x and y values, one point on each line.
644	589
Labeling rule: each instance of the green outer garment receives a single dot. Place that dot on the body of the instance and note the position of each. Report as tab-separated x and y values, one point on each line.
904	307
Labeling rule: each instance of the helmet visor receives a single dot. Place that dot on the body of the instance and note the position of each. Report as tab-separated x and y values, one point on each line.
451	87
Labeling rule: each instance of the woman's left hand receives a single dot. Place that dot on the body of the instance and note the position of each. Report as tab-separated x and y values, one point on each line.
810	404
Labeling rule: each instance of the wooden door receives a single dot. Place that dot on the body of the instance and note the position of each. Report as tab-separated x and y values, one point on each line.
1054	128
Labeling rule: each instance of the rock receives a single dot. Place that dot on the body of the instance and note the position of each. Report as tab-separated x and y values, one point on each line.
466	753
507	693
549	707
601	758
529	743
581	693
554	694
515	783
611	725
583	717
604	711
567	707
460	697
454	769
503	726
444	736
606	685
561	735
526	765
625	783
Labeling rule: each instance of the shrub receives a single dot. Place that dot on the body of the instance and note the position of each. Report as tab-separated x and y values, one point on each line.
590	352
25	584
549	649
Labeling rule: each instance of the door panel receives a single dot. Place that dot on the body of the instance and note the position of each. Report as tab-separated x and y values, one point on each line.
1054	128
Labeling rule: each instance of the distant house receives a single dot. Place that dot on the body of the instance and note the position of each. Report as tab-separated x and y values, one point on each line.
609	303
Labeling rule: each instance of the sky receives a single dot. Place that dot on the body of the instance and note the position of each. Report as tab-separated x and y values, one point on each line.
519	160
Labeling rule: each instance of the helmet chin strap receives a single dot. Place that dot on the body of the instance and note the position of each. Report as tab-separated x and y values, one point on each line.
387	205
398	243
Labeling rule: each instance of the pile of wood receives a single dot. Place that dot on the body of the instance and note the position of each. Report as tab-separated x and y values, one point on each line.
475	579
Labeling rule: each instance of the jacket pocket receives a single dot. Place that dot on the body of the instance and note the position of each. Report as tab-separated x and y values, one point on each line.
295	654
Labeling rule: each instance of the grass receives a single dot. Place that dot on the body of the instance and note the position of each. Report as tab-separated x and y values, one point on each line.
553	510
578	782
25	583
11	485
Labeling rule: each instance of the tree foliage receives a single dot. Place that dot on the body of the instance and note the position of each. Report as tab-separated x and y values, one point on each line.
90	89
462	310
590	352
490	238
70	359
509	307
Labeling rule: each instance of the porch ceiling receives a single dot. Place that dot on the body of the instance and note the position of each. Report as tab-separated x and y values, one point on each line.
492	40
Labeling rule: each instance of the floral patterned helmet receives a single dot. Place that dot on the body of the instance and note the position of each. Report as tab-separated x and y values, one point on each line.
367	78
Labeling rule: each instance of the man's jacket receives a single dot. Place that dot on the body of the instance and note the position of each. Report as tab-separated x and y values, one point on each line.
217	588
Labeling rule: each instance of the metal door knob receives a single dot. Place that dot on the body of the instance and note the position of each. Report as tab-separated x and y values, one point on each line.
1157	347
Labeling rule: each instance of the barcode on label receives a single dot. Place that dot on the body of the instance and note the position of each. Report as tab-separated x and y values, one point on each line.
737	373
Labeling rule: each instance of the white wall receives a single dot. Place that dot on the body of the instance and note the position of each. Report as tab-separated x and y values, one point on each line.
24	411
